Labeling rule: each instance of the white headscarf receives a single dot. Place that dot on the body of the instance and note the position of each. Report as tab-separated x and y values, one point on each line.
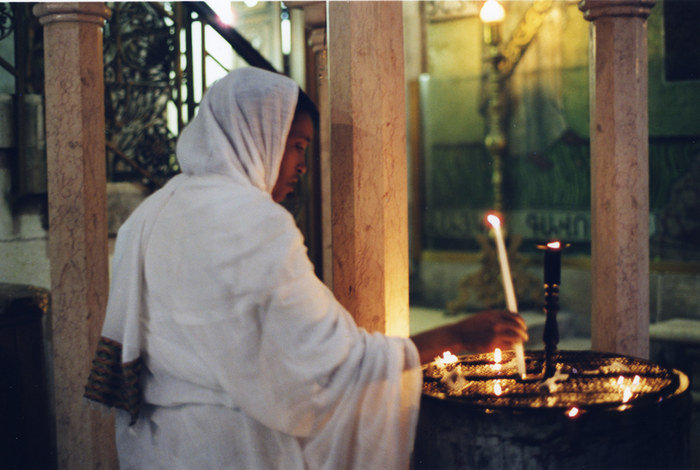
241	128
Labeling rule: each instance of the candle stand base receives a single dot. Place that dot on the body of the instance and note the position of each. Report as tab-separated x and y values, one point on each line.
550	336
466	434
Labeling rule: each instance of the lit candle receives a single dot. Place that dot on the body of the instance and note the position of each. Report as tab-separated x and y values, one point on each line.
497	390
446	358
497	357
511	304
503	260
626	395
552	277
552	264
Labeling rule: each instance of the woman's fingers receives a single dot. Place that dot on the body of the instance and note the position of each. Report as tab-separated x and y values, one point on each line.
512	329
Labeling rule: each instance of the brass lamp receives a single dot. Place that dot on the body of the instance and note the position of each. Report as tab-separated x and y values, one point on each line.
492	15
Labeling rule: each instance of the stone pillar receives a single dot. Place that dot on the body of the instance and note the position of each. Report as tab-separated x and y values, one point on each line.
75	147
317	87
620	174
368	162
317	42
297	56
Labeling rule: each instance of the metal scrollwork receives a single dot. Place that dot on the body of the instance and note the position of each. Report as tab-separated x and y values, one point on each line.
523	35
6	20
139	62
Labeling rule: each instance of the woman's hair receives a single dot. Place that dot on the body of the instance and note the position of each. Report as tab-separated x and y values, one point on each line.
305	105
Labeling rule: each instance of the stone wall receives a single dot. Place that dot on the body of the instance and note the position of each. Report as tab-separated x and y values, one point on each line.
547	170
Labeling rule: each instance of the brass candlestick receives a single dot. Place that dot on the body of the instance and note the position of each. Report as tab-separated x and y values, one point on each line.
552	278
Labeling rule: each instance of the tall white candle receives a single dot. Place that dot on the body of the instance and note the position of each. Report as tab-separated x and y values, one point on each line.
511	303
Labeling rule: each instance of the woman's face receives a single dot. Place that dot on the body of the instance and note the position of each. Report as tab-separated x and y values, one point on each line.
294	158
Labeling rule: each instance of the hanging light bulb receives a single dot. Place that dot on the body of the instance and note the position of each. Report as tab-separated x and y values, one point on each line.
492	12
286	32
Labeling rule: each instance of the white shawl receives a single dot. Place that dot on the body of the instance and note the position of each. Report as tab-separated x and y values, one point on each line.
214	294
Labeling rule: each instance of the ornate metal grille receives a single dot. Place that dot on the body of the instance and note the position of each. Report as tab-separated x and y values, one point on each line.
141	53
22	135
6	20
145	44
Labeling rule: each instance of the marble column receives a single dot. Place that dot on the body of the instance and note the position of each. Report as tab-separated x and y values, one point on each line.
75	147
317	88
317	42
619	174
368	162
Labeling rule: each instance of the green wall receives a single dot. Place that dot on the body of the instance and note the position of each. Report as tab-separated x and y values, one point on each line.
547	169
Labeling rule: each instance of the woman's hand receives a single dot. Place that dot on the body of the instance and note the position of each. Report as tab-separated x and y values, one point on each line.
481	332
491	329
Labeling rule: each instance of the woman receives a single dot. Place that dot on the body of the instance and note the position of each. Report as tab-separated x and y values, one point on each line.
221	348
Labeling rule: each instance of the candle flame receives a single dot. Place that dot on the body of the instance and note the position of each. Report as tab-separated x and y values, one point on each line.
446	358
554	245
497	355
573	412
627	394
636	380
497	390
493	220
620	380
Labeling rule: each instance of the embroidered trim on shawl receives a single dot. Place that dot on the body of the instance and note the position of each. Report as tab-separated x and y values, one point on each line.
113	383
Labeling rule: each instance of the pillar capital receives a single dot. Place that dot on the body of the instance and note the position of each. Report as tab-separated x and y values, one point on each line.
72	12
594	9
317	40
314	12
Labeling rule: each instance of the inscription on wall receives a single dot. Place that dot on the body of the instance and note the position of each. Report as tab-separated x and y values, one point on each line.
536	225
569	226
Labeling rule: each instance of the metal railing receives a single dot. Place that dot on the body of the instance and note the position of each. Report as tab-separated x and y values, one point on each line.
145	44
21	36
150	92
